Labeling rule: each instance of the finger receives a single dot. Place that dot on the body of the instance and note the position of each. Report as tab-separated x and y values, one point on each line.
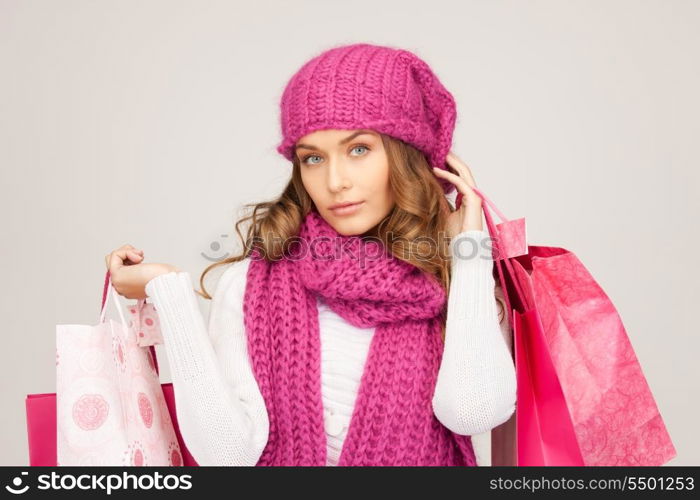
116	260
133	256
462	168
469	197
130	247
456	163
455	179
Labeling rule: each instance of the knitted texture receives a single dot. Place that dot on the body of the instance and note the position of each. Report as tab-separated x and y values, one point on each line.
393	421
362	85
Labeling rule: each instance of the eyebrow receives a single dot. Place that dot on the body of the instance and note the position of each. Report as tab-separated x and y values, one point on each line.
343	141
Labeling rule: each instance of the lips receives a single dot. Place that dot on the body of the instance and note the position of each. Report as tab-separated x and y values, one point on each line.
347	208
344	204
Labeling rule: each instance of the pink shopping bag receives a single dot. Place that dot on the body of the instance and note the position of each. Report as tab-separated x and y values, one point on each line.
109	408
41	428
582	397
144	320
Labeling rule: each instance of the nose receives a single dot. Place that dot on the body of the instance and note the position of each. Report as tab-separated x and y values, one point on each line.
338	178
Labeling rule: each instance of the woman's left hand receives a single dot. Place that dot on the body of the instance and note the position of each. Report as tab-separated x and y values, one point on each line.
468	216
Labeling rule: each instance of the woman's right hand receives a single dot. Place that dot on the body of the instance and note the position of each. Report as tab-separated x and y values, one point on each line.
130	274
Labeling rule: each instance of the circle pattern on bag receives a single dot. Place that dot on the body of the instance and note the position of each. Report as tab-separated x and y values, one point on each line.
174	453
118	351
138	458
145	409
90	411
134	455
91	360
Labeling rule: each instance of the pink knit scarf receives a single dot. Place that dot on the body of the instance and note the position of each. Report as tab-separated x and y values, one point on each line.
392	421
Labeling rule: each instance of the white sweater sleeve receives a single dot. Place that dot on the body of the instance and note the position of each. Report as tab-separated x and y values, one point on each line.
476	385
220	410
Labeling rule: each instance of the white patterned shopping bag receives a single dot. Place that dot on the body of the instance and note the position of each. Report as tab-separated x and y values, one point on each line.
144	320
110	408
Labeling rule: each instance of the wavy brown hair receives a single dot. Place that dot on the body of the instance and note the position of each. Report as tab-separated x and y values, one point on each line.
414	231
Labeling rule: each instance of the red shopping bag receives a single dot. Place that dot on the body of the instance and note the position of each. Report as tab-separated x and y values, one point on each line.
582	397
41	408
41	428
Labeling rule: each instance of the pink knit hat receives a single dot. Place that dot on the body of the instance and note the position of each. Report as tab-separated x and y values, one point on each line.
362	85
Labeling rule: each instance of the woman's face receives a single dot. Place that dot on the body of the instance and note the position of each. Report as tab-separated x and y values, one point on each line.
341	166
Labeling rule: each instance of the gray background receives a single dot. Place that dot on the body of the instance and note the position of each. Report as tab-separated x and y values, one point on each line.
151	123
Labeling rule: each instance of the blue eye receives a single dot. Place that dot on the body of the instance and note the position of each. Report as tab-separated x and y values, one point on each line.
360	147
306	158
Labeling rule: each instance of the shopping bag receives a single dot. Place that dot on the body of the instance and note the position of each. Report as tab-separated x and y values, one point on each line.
144	320
187	458
109	403
582	398
41	428
40	412
109	408
41	408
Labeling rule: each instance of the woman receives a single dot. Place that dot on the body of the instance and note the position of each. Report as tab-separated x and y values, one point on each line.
331	339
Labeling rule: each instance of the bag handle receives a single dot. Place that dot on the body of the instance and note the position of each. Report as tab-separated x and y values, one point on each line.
108	289
503	266
458	203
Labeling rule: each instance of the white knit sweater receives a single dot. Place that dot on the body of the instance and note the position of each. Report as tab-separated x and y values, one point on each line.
222	414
